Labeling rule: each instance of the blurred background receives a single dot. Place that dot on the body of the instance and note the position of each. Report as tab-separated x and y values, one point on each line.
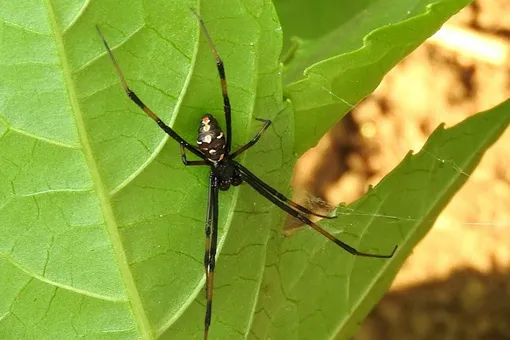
456	284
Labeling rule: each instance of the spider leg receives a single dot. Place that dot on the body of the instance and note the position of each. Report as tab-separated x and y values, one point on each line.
188	163
223	81
254	140
211	240
255	184
278	194
132	95
275	193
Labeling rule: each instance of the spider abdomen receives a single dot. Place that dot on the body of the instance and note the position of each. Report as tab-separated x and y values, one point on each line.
211	140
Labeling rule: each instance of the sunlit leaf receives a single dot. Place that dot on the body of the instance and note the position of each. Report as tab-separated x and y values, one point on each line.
345	49
101	225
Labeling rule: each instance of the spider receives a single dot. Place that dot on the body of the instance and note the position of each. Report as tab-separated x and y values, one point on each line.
214	150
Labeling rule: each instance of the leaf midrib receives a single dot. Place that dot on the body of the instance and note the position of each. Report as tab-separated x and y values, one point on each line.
106	208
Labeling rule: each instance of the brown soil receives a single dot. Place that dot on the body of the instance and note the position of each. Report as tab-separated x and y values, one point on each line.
456	284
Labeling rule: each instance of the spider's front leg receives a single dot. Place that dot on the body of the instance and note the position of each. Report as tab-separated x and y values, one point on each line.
271	190
211	241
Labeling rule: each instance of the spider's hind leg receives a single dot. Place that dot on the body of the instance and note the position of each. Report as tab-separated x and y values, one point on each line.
223	81
132	95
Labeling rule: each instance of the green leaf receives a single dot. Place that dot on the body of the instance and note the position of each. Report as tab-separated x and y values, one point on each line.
313	290
101	226
343	58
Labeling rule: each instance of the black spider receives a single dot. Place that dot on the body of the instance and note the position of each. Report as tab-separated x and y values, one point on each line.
214	151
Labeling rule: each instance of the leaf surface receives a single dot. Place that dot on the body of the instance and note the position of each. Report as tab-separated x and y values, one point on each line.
313	289
344	49
102	226
101	218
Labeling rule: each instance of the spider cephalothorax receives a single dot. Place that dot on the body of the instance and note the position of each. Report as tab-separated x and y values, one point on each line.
227	173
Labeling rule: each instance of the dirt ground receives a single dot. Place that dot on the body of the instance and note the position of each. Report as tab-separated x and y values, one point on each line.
456	284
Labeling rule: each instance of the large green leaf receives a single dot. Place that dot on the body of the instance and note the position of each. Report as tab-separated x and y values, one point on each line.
345	49
101	226
312	290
